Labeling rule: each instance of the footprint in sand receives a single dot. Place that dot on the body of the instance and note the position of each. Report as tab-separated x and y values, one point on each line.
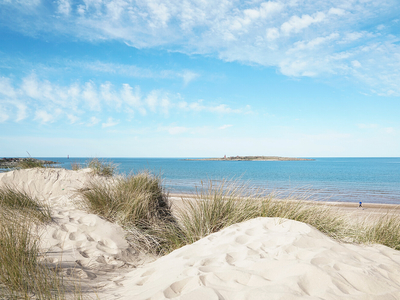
89	220
175	289
77	236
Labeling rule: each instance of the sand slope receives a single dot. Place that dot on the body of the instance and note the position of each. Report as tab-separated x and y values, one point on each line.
87	247
264	258
268	258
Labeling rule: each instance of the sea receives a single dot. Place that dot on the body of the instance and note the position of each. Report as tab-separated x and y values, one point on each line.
367	180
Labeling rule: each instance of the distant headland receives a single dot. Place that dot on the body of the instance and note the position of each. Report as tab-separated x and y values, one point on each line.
251	158
6	163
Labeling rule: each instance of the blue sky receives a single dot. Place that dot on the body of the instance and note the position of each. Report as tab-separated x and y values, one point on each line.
201	78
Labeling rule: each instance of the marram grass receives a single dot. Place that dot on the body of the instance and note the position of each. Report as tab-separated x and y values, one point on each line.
23	274
141	206
101	168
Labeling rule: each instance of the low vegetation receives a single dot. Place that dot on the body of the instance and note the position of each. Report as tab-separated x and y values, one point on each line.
136	200
140	205
102	168
75	166
23	275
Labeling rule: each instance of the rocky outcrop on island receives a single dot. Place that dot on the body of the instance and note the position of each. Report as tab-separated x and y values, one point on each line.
251	158
6	163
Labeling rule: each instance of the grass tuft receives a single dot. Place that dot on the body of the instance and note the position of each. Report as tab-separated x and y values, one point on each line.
19	202
21	273
218	206
29	163
102	168
141	206
137	202
135	199
75	166
385	230
24	274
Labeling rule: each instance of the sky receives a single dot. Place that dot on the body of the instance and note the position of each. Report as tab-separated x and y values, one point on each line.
199	78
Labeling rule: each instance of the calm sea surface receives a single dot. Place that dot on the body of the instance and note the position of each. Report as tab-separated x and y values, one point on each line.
374	180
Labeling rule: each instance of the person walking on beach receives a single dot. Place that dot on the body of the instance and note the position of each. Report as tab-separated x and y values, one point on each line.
360	205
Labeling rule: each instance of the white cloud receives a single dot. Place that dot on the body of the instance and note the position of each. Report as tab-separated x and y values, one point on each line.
336	11
189	76
152	100
132	97
272	33
225	126
367	126
177	130
64	7
30	86
44	117
251	32
381	27
199	106
389	130
89	94
109	95
6	89
72	118
22	111
165	105
3	115
356	64
93	121
310	45
110	123
296	24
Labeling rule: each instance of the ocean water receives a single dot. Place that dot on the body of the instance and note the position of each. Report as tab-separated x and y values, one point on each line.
370	180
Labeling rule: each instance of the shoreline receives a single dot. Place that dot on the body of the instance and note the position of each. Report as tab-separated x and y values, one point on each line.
350	209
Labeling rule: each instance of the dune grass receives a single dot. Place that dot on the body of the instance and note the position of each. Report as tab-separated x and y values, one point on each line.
75	166
218	206
29	163
23	274
140	204
102	168
136	202
19	202
385	230
134	199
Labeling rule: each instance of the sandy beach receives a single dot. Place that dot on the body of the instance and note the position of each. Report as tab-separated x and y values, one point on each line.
263	258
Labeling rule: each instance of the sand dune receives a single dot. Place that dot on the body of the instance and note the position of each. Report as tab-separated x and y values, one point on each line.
269	258
263	258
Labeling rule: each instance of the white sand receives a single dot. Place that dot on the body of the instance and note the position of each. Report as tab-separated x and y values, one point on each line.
264	258
87	247
269	258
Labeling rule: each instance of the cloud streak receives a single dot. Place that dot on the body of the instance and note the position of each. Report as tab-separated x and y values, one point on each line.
299	38
51	102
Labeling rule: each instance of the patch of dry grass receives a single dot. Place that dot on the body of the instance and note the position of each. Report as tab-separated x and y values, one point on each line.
23	274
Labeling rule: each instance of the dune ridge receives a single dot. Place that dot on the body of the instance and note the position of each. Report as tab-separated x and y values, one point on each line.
263	258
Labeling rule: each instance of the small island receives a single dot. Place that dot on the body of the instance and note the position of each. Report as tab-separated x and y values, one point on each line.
8	163
252	158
